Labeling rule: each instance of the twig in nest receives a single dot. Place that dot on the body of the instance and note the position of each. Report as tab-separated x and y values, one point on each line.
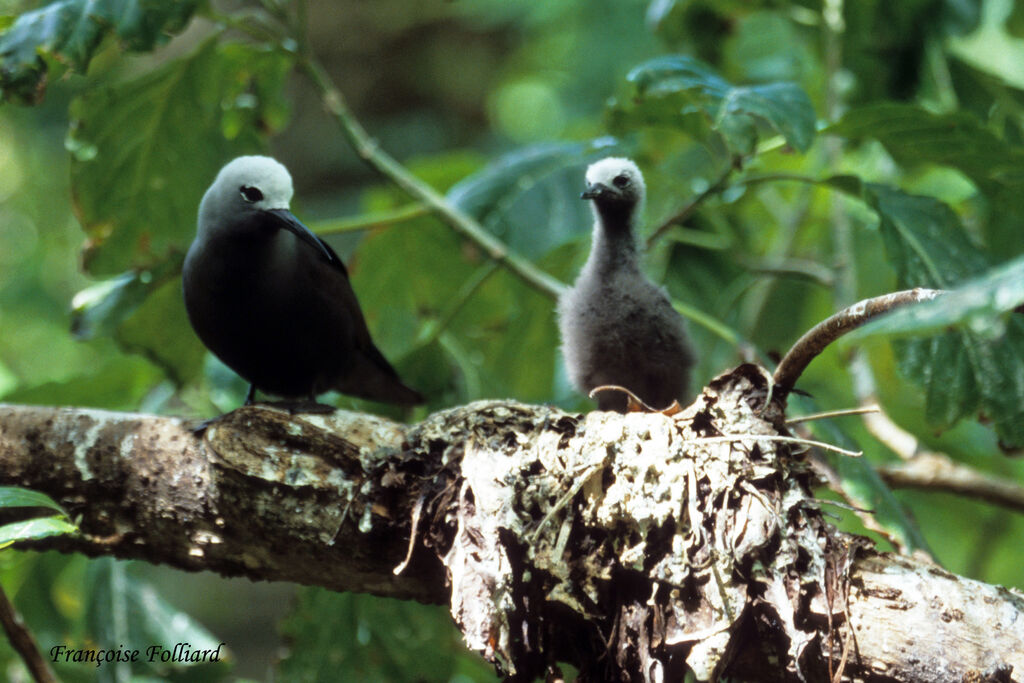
824	333
414	525
728	438
833	413
633	402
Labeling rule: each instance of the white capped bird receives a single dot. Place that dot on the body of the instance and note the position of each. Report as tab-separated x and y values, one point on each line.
617	327
272	300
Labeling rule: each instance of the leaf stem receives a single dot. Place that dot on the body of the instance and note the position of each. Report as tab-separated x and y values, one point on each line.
382	162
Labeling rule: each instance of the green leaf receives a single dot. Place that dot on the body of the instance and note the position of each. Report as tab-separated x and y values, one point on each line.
160	331
124	611
961	371
144	151
71	31
924	239
734	111
12	497
980	305
1015	21
30	529
98	309
372	639
15	497
529	198
913	135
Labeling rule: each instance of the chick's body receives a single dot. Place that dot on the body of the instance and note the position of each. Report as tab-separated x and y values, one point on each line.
618	327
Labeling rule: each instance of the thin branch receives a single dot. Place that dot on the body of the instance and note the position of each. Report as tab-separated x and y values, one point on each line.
382	162
939	472
933	471
22	641
684	214
370	221
811	270
824	333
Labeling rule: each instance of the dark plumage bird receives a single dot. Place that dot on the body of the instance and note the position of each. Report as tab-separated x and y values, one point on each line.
272	300
618	327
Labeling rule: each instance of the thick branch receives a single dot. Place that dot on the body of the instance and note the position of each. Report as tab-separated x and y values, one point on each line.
262	495
636	543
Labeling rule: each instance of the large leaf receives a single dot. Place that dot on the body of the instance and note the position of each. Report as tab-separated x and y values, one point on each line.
736	112
961	371
913	135
530	198
71	31
924	239
145	150
980	305
160	331
98	309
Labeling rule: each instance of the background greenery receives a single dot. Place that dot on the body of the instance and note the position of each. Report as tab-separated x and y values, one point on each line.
816	152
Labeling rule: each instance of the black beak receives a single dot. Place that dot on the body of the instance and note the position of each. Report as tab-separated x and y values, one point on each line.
289	222
596	191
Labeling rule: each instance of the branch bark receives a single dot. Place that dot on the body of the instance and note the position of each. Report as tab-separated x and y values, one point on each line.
632	546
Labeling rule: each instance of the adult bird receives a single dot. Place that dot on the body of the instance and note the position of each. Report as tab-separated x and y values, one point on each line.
617	327
273	301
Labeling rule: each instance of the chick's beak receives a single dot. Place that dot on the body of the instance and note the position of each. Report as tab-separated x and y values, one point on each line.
595	190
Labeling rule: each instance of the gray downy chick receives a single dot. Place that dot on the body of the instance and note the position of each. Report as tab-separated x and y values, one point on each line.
272	300
617	327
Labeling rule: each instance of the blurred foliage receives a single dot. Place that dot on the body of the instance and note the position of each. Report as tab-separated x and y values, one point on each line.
818	152
373	639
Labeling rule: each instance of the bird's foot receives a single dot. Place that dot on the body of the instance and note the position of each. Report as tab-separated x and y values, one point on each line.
633	402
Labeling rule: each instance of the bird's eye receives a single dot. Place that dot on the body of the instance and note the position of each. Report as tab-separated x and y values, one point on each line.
620	181
250	194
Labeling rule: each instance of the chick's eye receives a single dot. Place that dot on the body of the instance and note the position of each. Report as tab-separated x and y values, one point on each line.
620	181
250	194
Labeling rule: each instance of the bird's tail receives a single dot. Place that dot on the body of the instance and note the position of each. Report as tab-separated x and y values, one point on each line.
372	377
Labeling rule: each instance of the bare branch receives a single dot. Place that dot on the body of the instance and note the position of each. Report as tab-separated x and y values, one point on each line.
930	470
23	642
824	333
939	472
